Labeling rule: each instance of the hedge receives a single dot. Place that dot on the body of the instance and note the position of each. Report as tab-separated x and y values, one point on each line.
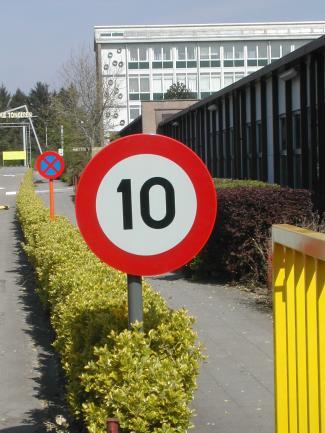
145	379
239	247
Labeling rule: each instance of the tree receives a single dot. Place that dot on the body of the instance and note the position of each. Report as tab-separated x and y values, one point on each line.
40	104
18	99
89	101
179	91
4	98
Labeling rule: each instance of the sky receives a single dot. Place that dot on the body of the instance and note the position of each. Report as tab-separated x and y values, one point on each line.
38	36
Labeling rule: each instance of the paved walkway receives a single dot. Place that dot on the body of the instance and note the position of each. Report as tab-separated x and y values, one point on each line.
30	393
235	392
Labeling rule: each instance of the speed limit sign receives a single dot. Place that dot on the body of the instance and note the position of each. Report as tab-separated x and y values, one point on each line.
146	204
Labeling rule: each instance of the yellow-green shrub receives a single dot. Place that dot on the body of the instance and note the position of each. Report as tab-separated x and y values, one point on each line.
146	379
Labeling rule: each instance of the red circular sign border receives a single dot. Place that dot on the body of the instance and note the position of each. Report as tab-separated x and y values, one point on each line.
40	159
99	166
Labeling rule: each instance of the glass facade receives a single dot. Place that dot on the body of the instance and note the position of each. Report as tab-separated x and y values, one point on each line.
204	67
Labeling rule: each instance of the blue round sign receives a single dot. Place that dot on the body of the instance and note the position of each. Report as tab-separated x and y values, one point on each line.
50	165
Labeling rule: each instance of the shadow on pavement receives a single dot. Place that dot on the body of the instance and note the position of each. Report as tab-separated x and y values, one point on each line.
22	429
48	376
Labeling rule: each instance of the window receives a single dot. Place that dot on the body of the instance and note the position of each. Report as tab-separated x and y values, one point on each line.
139	88
297	169
249	147
181	52
134	113
239	55
186	56
228	79
157	87
275	51
167	52
215	82
205	52
283	151
181	78
190	81
209	83
191	52
205	82
168	81
144	84
162	57
259	154
238	76
257	54
133	54
286	48
262	54
209	55
192	84
138	58
228	55
133	85
233	55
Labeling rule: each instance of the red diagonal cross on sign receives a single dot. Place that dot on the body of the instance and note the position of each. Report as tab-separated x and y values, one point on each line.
51	164
43	159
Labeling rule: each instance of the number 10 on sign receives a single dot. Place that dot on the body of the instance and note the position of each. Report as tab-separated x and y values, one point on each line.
146	204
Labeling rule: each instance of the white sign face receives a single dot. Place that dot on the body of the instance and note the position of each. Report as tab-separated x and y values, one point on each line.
146	204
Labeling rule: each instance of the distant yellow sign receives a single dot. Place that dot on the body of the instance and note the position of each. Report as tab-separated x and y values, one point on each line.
14	155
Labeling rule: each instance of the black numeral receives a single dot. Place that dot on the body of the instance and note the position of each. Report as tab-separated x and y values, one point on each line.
125	188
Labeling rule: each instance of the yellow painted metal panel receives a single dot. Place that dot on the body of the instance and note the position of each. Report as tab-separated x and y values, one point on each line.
280	341
300	294
291	341
312	346
321	339
299	329
14	155
299	239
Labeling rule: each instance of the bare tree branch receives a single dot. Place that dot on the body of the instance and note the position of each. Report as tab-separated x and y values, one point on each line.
87	106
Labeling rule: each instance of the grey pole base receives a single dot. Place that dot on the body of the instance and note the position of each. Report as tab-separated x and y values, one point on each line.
135	299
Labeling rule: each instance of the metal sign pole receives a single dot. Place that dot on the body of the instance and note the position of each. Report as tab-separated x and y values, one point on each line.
51	199
135	305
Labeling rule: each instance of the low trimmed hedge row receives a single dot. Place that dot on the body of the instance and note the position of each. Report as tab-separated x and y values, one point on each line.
145	379
239	247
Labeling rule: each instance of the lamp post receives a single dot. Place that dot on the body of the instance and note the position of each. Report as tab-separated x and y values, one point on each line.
45	134
62	138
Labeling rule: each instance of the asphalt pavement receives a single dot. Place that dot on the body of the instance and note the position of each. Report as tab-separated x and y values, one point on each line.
31	390
235	386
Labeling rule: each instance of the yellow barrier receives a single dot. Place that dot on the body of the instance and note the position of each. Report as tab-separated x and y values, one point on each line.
14	155
299	329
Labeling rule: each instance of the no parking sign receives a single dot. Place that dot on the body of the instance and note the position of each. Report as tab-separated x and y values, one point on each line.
50	165
146	204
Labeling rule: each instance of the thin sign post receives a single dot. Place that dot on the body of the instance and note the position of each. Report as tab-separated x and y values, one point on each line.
146	205
51	188
50	165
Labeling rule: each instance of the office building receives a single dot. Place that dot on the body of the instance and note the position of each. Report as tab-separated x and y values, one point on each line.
144	61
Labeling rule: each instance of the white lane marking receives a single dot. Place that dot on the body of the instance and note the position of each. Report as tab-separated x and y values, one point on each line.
1	187
42	191
9	175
